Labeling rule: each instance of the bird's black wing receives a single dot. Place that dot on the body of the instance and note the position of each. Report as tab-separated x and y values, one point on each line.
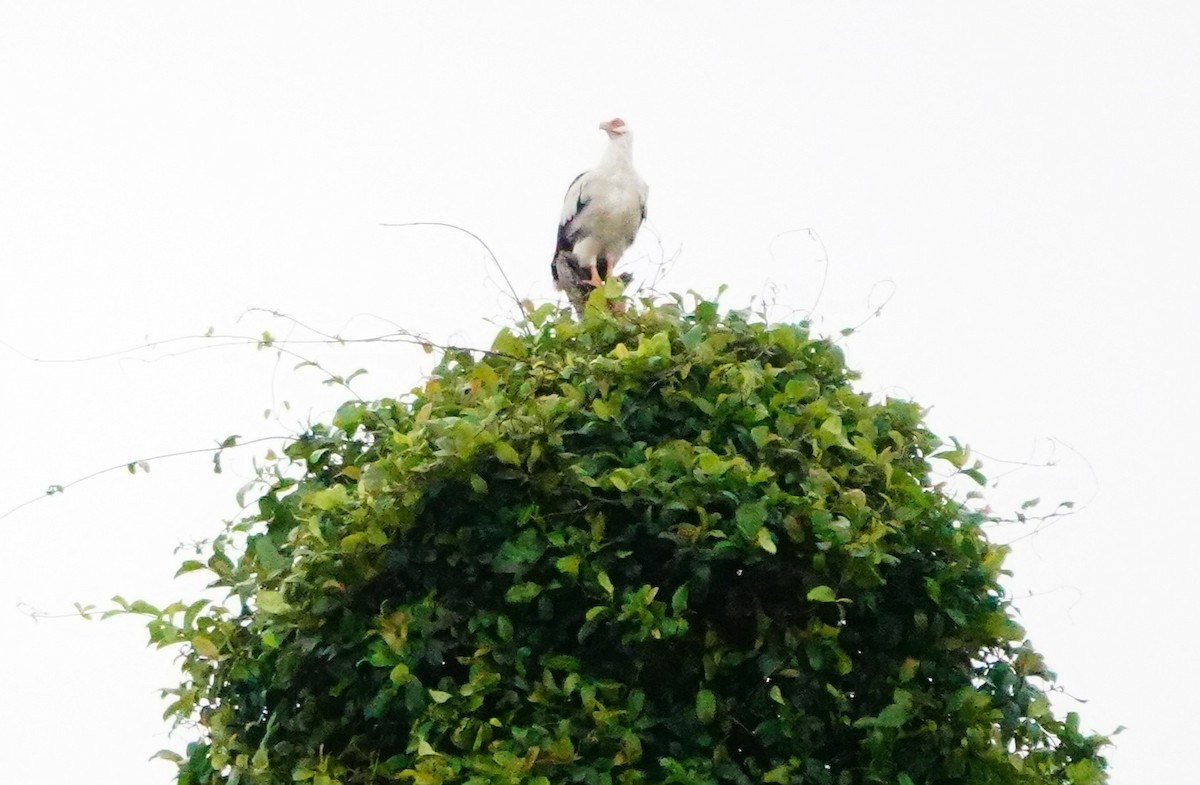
573	202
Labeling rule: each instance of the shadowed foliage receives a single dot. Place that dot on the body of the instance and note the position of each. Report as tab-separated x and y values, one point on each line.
669	546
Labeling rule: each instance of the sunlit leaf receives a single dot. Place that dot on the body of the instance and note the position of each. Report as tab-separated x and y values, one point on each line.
507	454
523	592
271	602
205	647
604	581
821	594
568	564
765	540
329	498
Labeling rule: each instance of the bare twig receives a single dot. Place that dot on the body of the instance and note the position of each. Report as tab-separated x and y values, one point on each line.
478	239
823	259
873	312
55	490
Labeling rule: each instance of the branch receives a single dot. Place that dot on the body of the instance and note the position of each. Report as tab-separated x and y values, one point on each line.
823	259
143	464
512	289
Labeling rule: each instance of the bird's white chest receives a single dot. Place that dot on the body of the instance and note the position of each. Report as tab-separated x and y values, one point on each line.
613	206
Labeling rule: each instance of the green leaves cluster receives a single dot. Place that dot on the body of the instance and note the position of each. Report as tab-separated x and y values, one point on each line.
669	546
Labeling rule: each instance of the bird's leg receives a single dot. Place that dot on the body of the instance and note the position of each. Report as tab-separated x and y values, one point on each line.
610	261
616	306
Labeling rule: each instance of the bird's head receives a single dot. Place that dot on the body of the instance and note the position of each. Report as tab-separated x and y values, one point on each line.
614	128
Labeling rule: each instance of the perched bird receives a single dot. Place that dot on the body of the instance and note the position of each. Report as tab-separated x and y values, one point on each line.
602	212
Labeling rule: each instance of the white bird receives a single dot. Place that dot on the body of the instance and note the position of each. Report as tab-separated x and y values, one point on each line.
602	212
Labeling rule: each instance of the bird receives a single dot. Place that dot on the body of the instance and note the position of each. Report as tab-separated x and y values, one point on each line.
602	212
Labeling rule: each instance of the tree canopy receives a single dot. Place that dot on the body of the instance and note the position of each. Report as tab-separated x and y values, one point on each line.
667	546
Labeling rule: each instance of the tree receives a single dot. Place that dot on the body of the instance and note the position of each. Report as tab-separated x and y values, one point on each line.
669	546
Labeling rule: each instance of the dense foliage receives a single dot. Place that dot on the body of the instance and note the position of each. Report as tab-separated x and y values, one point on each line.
668	546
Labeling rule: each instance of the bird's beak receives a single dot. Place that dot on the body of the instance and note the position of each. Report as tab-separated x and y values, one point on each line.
614	127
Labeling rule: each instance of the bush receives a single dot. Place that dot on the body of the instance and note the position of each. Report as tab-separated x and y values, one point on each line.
668	546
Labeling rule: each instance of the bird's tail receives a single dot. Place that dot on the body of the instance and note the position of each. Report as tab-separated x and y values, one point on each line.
566	270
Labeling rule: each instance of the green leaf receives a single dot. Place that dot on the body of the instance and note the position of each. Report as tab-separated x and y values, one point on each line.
821	594
1085	772
507	454
568	565
679	599
329	498
706	706
523	592
508	343
271	602
977	476
539	315
893	716
620	479
658	345
205	647
750	518
765	540
781	775
267	554
438	696
693	337
956	458
562	662
711	464
1038	707
191	565
604	581
603	409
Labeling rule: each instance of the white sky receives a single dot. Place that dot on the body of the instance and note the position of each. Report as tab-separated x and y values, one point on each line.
1024	176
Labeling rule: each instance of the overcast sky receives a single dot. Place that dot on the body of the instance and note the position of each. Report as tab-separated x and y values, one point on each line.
1014	188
